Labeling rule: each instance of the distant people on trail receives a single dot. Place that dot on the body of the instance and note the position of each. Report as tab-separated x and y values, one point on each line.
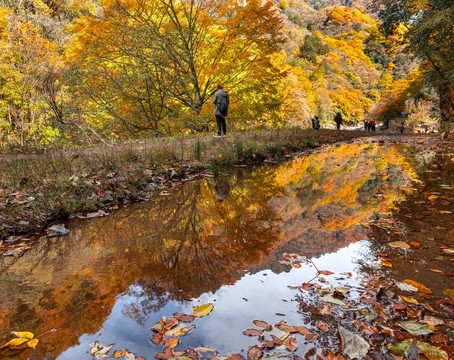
315	123
221	187
369	125
338	120
221	106
372	125
401	128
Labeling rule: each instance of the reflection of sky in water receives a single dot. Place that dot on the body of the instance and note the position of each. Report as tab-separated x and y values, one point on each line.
253	297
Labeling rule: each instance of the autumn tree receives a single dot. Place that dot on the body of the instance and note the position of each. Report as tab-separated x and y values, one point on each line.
429	35
142	62
25	59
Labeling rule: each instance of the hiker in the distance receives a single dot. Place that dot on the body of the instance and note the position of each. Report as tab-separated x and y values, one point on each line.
338	120
221	106
315	123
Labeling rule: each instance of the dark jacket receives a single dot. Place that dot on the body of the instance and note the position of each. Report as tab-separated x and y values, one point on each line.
220	96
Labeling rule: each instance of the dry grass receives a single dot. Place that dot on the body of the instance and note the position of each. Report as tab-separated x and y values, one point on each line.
40	188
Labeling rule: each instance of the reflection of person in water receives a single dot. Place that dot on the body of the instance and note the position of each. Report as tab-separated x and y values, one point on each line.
221	187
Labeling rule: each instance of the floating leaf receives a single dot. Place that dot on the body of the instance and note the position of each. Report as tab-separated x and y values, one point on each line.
325	272
254	353
406	287
399	244
410	300
353	345
415	328
119	353
202	310
286	328
184	317
311	337
262	324
94	347
386	262
332	300
33	343
157	339
23	334
421	288
165	354
291	344
15	342
326	310
179	330
302	330
171	342
253	332
322	326
103	351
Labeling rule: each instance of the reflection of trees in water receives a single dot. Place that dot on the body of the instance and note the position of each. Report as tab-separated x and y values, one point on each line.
180	246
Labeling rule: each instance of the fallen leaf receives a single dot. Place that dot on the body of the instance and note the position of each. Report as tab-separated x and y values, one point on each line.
291	344
399	244
165	354
448	251
439	338
171	342
415	244
436	271
432	352
431	320
326	310
386	262
254	353
157	339
262	324
253	332
15	342
286	328
184	317
33	343
421	288
202	310
311	337
409	300
406	287
449	293
432	198
325	272
353	345
23	334
119	353
332	300
414	328
103	351
322	326
302	330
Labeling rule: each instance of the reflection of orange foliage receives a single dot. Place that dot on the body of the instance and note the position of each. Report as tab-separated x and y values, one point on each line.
188	243
347	174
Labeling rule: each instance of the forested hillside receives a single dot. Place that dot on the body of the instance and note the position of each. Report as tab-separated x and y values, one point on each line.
84	71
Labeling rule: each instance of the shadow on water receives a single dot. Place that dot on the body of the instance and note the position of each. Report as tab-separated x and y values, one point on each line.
216	240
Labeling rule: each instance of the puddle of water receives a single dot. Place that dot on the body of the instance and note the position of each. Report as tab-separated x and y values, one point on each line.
217	240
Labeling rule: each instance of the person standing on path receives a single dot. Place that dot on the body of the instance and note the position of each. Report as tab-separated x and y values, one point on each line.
338	120
221	106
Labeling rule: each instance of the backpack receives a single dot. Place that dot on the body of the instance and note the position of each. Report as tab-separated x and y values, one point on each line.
222	107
